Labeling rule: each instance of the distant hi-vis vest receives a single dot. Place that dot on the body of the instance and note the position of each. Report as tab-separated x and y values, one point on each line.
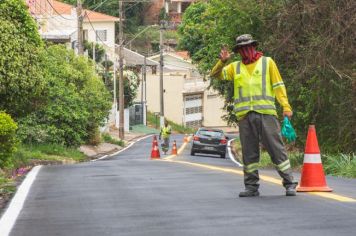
253	92
166	131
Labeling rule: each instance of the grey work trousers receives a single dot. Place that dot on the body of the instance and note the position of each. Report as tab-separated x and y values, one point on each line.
256	128
165	144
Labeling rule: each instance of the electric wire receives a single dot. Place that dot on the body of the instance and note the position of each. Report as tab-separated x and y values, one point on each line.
57	11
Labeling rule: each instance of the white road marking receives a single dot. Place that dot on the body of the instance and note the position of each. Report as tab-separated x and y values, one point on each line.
130	145
8	220
231	156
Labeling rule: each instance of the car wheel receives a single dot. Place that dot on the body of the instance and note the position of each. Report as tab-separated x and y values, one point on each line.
223	155
192	153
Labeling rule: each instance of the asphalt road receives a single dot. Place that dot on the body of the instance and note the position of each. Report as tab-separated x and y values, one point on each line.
130	194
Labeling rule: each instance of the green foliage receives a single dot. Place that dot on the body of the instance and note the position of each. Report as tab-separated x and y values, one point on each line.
108	139
7	186
99	51
16	12
76	103
163	15
311	44
20	72
41	151
131	84
153	121
334	164
340	165
207	26
8	139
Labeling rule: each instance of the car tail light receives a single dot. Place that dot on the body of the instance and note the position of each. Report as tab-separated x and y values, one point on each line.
196	138
223	141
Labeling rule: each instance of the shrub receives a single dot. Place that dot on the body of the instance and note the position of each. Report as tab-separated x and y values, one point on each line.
8	139
107	138
75	104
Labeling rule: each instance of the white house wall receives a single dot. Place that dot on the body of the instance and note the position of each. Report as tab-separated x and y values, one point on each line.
108	26
213	109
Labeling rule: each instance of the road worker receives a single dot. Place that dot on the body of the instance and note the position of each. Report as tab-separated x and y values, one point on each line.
257	82
165	133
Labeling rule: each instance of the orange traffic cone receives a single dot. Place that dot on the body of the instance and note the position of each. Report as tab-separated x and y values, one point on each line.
154	142
174	148
313	178
155	153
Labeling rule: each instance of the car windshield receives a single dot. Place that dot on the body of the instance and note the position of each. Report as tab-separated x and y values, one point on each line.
211	133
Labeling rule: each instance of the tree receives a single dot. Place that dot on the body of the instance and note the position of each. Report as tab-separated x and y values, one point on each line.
312	43
76	101
20	72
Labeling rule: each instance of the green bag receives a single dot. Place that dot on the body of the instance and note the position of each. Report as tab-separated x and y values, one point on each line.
288	131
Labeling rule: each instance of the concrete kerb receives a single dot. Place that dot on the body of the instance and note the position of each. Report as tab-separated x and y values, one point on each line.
130	143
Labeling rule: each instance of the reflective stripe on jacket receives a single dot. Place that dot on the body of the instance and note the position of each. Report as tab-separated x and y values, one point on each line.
253	92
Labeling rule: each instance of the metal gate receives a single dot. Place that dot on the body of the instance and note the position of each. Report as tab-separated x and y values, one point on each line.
193	110
136	114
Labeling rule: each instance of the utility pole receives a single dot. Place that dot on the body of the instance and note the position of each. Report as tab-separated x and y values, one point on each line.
145	101
121	79
162	28
80	27
115	99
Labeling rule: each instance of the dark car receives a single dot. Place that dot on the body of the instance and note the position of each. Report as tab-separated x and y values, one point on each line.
210	141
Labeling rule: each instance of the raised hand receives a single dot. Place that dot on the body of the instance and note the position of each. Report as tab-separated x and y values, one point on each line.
224	54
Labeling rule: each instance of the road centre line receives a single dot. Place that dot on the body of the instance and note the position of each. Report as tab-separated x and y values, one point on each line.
265	178
180	150
8	219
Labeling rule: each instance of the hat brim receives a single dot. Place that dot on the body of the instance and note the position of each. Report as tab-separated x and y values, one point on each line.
244	44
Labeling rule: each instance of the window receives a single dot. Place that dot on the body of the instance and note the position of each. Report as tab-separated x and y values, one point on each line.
85	35
101	35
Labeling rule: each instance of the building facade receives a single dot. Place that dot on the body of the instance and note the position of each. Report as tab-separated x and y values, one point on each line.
173	8
187	99
58	22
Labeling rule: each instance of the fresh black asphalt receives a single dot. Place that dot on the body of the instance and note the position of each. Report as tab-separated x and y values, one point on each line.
130	194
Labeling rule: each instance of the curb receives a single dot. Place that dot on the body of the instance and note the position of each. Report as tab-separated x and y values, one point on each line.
136	139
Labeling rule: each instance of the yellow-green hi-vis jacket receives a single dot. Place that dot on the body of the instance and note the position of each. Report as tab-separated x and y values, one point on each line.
255	86
166	131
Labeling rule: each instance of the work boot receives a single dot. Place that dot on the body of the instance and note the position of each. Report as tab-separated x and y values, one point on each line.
290	191
249	193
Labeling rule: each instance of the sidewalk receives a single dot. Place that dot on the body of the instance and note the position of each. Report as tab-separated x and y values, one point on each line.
138	131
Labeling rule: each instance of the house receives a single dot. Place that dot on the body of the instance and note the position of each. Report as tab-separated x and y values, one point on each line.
173	8
58	23
187	99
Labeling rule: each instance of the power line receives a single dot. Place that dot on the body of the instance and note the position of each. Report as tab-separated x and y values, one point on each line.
57	11
96	34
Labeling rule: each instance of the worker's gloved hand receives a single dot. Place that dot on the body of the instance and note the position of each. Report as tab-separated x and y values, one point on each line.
288	131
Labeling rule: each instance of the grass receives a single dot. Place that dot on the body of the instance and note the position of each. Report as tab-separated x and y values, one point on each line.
153	121
108	139
343	165
7	186
26	156
49	152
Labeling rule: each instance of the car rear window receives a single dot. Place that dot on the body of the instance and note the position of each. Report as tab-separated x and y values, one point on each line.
211	133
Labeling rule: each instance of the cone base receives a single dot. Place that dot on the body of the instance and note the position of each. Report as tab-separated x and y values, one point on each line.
155	158
314	189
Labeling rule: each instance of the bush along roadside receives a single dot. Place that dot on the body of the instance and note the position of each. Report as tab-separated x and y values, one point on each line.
153	121
109	139
342	165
